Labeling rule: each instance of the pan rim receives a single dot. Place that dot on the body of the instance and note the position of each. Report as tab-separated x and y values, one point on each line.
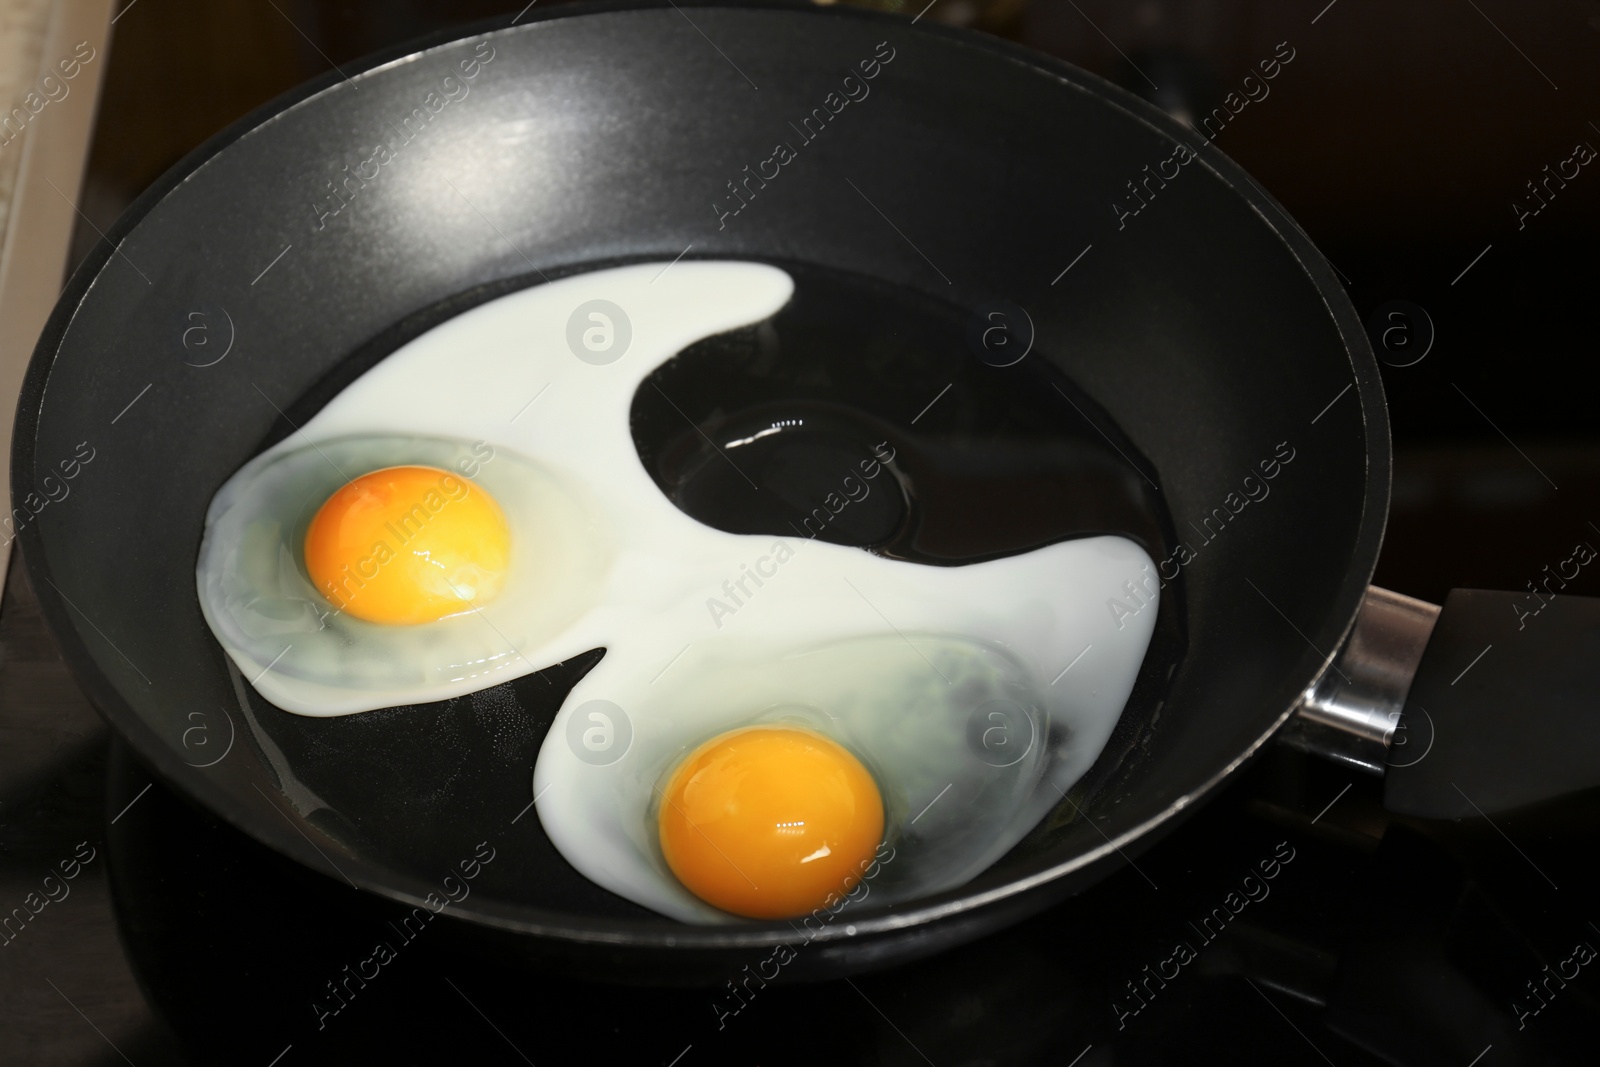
654	933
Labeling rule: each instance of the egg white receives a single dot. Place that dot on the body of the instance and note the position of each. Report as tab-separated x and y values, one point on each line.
306	655
894	659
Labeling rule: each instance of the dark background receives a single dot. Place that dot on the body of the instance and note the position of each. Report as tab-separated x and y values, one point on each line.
1399	138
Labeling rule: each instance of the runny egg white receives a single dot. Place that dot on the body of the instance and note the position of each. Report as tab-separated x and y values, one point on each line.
308	650
940	711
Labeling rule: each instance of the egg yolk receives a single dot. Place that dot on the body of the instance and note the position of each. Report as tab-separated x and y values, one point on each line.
767	821
407	545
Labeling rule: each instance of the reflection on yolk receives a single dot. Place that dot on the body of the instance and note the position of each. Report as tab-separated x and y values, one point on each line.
406	545
767	821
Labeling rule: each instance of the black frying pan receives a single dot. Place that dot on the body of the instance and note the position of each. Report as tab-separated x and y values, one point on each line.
1206	326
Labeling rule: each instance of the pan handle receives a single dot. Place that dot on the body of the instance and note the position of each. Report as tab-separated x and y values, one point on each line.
1506	701
1351	713
1488	704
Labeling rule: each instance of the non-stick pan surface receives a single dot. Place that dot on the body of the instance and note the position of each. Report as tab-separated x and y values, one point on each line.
1203	322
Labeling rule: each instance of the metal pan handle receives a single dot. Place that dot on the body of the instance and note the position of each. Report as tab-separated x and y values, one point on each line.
1488	704
1351	714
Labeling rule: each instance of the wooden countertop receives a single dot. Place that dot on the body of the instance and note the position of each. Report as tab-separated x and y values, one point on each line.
52	55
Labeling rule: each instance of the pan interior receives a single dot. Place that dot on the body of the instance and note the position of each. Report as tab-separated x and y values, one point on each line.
1204	327
749	431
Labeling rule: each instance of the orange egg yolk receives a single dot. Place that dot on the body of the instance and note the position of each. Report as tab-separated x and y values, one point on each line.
408	545
768	821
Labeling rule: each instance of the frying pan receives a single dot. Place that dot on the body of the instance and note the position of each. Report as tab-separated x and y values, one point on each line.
238	291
